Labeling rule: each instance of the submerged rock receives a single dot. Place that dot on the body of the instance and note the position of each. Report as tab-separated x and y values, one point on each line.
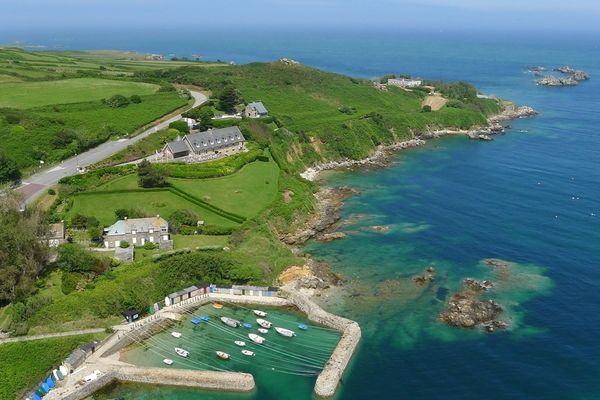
427	277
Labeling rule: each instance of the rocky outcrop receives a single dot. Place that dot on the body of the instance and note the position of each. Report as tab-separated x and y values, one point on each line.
565	70
581	76
555	81
426	278
466	309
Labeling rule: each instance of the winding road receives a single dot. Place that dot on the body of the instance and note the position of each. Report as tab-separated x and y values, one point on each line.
33	186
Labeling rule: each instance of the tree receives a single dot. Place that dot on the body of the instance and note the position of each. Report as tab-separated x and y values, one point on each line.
180	219
180	125
426	108
135	99
9	171
73	258
95	233
117	101
228	99
122	213
150	176
205	118
23	256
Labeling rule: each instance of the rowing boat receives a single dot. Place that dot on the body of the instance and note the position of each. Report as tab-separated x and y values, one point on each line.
285	332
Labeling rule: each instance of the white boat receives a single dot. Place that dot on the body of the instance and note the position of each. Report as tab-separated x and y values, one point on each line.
168	361
248	353
256	339
263	330
222	355
182	352
260	313
234	323
240	343
285	332
264	323
176	334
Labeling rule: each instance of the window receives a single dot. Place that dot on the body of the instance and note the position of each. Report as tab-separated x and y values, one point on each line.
151	230
133	232
134	241
151	239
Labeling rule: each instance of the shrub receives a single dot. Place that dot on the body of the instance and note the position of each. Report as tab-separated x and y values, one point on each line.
426	108
117	101
51	192
135	99
69	282
149	246
180	125
95	233
150	176
124	244
347	110
9	171
180	219
73	258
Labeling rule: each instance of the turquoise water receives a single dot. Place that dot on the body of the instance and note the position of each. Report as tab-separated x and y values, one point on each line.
530	197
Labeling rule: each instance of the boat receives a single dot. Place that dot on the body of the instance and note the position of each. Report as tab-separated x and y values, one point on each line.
168	361
260	313
218	306
240	343
256	338
263	330
205	318
264	323
234	323
247	325
222	355
285	332
182	352
248	353
176	334
302	327
195	321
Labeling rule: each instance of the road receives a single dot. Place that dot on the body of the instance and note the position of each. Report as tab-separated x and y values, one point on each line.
34	186
51	335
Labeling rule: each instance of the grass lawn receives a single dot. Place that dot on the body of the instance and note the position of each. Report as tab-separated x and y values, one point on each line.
25	364
103	206
184	241
246	192
37	94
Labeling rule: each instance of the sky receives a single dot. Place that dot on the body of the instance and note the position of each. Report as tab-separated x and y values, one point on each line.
540	15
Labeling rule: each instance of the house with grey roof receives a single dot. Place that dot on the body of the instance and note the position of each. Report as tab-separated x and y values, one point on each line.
213	142
138	231
256	110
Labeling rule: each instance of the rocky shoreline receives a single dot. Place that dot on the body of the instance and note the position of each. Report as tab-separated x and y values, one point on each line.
383	154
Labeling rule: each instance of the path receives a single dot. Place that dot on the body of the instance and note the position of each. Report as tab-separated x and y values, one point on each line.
37	183
51	335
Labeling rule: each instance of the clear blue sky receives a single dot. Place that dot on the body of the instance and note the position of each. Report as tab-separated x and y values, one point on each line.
547	15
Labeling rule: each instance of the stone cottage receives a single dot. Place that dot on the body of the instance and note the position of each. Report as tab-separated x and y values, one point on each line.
256	110
138	231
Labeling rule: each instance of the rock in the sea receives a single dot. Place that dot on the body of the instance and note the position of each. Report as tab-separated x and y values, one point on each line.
581	76
565	70
329	237
427	277
554	81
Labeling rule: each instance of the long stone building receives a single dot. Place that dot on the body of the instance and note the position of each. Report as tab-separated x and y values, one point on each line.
212	143
138	231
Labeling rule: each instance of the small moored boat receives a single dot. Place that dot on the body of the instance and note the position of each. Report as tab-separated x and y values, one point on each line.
248	353
264	323
168	361
234	323
204	318
222	355
176	334
240	343
247	325
195	321
263	330
181	352
260	313
218	306
302	327
256	338
285	332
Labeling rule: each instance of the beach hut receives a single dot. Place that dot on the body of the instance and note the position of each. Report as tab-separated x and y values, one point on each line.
131	315
75	359
171	299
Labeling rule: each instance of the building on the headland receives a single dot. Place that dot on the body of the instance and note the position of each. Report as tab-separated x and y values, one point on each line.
404	82
138	231
209	144
154	57
256	110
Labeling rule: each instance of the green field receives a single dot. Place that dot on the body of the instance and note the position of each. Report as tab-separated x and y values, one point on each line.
37	94
103	206
246	192
30	362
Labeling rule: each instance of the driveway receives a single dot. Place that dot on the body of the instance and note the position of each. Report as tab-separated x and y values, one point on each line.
37	183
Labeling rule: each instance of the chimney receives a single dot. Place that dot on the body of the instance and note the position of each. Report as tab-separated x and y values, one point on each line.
125	218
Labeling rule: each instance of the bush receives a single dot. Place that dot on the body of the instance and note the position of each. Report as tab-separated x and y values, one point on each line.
73	258
135	99
180	125
9	171
426	108
117	101
181	219
95	233
69	282
51	192
124	244
150	176
149	246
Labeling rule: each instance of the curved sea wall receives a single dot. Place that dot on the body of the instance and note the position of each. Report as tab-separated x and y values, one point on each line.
329	379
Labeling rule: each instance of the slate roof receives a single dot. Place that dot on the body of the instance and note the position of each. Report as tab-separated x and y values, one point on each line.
214	138
125	226
178	146
259	107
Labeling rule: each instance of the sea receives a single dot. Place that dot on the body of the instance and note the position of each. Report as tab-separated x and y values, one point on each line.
530	198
